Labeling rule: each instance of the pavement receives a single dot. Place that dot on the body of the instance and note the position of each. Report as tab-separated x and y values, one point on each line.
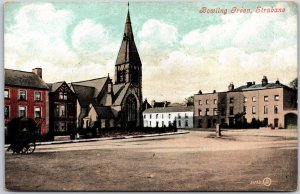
107	138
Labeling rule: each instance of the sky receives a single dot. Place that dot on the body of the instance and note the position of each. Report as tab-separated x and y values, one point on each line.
182	50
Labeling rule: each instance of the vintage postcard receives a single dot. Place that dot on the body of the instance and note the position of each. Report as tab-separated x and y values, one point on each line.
150	95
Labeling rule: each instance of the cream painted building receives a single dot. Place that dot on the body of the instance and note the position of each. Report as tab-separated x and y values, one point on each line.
272	103
169	115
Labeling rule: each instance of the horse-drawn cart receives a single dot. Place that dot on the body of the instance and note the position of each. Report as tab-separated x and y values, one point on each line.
22	136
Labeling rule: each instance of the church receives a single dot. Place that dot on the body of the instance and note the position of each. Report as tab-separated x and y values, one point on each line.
102	103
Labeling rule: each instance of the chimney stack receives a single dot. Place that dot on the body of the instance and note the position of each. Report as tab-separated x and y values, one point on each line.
38	72
165	104
153	103
231	87
264	81
110	92
249	84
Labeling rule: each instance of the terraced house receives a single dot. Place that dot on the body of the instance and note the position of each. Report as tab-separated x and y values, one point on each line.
275	104
164	114
26	95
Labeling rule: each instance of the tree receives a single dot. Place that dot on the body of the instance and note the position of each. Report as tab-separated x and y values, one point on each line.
189	100
240	120
294	83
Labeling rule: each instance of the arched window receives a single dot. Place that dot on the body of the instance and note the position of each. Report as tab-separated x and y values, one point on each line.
131	109
122	76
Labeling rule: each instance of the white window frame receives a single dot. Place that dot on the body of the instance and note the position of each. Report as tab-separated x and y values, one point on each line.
266	109
8	93
40	112
215	111
253	109
35	95
19	94
63	95
266	98
253	98
215	101
19	110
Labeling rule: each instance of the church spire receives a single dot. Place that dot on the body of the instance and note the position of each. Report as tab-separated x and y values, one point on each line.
128	58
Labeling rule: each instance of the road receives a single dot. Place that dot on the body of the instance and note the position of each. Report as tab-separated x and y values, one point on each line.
242	160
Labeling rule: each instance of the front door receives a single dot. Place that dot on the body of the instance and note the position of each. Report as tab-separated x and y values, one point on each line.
275	122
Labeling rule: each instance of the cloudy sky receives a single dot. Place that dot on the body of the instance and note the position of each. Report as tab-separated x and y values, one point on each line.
182	50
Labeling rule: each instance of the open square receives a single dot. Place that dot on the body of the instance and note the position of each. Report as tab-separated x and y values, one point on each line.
242	160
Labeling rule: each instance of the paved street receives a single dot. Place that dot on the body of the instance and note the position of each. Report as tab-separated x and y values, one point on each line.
242	160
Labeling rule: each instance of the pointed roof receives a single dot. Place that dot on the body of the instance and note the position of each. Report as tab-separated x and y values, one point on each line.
54	86
120	95
128	52
84	94
97	84
104	112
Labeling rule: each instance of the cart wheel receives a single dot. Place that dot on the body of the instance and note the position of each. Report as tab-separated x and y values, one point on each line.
30	148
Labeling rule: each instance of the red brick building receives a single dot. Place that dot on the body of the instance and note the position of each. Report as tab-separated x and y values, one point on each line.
26	95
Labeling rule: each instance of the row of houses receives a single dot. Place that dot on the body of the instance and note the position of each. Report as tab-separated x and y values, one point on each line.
272	104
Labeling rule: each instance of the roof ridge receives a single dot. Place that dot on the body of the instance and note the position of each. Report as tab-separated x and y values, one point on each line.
20	71
90	79
56	82
83	85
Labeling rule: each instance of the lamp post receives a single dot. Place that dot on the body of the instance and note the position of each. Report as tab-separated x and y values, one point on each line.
218	127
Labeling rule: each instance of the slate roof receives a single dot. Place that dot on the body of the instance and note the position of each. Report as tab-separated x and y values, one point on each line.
97	84
260	87
84	94
24	79
104	112
170	109
54	86
121	93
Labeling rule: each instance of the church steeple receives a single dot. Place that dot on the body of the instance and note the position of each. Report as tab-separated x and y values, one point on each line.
128	63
